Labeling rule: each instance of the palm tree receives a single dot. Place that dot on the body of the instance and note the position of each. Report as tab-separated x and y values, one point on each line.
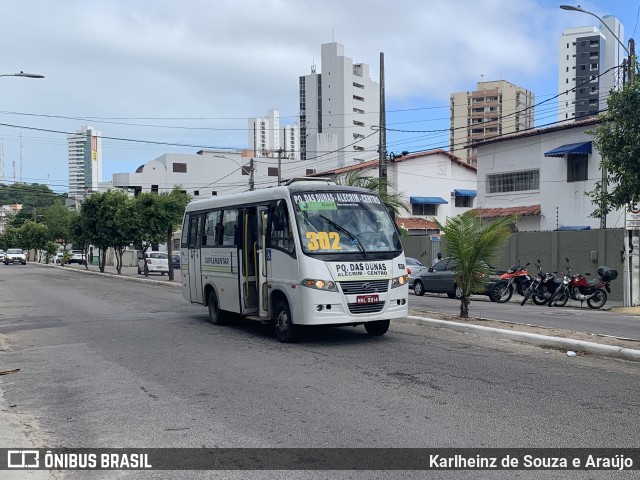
475	244
395	202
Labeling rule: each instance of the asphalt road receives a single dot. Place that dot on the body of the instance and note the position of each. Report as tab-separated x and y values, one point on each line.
110	363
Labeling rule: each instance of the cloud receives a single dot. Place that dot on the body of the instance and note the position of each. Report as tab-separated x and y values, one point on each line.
234	60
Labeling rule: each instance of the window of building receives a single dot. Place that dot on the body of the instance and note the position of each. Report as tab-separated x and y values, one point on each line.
214	193
180	167
272	171
358	148
246	169
424	209
358	85
358	124
514	181
466	201
154	188
196	193
577	167
310	171
360	99
358	110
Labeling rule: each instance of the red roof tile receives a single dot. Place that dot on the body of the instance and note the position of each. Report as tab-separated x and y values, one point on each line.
528	211
415	223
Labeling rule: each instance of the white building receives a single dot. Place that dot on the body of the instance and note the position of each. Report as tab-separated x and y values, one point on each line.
588	57
266	137
206	173
85	161
337	109
543	176
436	184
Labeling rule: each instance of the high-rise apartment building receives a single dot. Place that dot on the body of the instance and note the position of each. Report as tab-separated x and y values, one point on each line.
85	161
266	137
338	107
495	108
588	62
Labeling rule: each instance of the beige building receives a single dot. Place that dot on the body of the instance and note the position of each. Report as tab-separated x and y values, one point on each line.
495	108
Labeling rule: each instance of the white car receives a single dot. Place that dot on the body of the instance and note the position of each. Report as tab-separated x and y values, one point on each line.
157	262
77	256
15	255
3	254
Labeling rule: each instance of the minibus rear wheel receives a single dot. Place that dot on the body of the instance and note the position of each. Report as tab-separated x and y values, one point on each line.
215	314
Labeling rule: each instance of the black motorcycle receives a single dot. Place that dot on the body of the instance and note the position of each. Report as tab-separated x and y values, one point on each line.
542	287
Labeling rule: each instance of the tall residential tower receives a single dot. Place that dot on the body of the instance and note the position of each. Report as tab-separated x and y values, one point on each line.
588	68
85	161
495	108
338	107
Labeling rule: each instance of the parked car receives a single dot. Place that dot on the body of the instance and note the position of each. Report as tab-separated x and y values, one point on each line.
175	261
157	262
414	267
15	255
2	255
58	258
439	279
77	256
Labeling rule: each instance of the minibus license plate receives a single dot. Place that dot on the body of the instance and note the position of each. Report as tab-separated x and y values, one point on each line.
360	299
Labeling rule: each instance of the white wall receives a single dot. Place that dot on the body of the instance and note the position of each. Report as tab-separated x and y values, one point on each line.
562	203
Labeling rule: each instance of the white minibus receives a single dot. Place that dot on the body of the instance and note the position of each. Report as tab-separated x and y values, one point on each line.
306	253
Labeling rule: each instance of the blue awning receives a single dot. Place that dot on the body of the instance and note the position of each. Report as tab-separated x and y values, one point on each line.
427	200
465	193
584	147
575	227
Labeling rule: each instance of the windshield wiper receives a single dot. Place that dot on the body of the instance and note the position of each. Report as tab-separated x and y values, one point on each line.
342	229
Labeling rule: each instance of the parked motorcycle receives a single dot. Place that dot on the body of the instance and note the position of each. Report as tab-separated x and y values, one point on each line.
541	287
515	279
577	287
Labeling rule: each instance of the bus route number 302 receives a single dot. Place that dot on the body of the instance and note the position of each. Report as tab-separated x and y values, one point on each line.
323	241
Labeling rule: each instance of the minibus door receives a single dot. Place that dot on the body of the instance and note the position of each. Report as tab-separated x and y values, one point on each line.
248	260
263	218
195	270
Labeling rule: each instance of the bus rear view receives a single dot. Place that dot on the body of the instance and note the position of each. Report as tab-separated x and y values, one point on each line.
309	253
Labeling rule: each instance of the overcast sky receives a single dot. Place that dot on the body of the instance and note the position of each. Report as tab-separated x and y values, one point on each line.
193	72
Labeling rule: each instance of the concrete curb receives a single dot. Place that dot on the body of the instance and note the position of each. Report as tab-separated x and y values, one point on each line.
148	281
534	338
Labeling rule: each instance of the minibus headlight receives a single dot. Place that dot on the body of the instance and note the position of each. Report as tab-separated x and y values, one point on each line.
328	285
399	281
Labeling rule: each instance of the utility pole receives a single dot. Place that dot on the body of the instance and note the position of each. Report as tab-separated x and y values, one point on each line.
382	147
280	152
251	182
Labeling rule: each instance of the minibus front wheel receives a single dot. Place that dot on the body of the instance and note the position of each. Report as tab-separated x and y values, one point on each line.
285	329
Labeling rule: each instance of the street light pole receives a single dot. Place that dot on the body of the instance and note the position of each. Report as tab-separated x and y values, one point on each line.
632	239
22	74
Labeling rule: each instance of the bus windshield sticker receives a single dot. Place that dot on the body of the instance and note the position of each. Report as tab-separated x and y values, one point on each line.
316	206
323	241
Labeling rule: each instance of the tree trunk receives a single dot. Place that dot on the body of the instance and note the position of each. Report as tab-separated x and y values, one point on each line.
103	259
170	251
464	307
119	260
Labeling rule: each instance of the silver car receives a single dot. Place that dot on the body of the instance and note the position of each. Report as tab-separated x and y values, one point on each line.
15	255
414	268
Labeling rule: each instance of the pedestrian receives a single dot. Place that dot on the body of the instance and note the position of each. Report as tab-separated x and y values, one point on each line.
437	259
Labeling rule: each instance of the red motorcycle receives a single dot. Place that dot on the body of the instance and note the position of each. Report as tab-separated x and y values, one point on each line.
515	279
577	287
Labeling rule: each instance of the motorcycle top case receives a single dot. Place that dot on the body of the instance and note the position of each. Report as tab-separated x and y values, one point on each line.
607	273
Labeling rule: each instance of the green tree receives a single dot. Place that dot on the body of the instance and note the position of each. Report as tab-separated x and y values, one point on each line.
148	228
617	138
476	245
173	205
32	236
80	234
394	201
57	217
50	250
